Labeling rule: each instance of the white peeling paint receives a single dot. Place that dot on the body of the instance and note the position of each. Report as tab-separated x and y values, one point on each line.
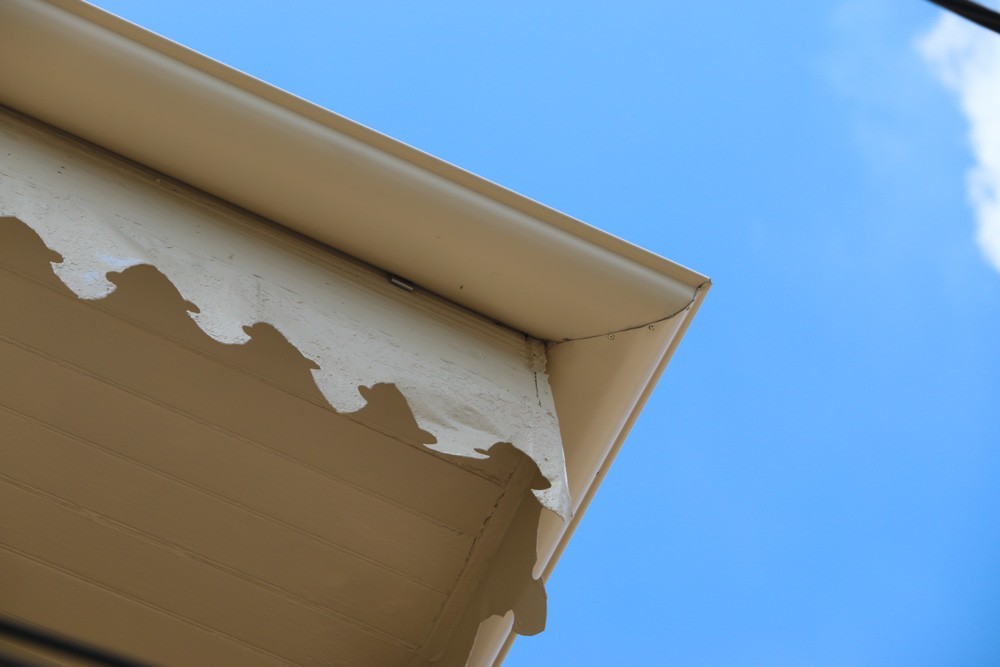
468	382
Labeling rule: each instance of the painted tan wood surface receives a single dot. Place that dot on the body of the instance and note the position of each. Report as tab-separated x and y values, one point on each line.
80	607
299	455
90	547
154	482
468	381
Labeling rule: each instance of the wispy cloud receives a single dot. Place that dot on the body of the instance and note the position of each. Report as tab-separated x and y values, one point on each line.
966	58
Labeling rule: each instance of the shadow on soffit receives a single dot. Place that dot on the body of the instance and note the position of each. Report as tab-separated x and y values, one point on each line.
261	397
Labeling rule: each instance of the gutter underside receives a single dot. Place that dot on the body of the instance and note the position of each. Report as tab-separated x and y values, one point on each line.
385	203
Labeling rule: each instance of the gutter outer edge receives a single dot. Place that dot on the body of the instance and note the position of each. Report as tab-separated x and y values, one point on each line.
585	259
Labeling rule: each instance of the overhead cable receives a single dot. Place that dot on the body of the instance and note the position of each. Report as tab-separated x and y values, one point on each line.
973	11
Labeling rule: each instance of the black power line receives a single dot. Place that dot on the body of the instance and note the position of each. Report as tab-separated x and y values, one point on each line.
53	642
973	11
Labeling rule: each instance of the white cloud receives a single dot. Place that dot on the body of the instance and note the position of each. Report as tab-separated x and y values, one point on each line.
966	58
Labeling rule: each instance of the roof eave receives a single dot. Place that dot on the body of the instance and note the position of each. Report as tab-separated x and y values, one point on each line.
465	238
386	203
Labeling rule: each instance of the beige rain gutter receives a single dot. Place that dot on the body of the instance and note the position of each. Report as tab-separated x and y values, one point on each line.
622	309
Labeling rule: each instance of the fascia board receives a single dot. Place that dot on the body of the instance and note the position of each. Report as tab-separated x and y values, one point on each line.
595	425
469	240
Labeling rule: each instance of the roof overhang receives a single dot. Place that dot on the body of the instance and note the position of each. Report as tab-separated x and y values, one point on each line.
153	101
616	312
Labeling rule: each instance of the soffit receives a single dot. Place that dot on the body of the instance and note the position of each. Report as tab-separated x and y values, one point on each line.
184	501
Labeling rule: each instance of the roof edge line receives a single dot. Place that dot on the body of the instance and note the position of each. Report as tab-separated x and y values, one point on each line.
378	140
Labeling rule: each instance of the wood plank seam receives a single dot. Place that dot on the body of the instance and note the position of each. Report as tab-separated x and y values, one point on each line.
134	600
226	432
187	552
228	501
418	446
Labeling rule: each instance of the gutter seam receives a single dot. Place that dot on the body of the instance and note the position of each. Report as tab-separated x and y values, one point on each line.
610	334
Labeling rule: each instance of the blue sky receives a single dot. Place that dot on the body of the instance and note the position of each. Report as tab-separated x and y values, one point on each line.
816	480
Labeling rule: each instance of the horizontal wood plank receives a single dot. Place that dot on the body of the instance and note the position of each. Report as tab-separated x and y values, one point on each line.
80	543
195	385
230	538
59	601
253	477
